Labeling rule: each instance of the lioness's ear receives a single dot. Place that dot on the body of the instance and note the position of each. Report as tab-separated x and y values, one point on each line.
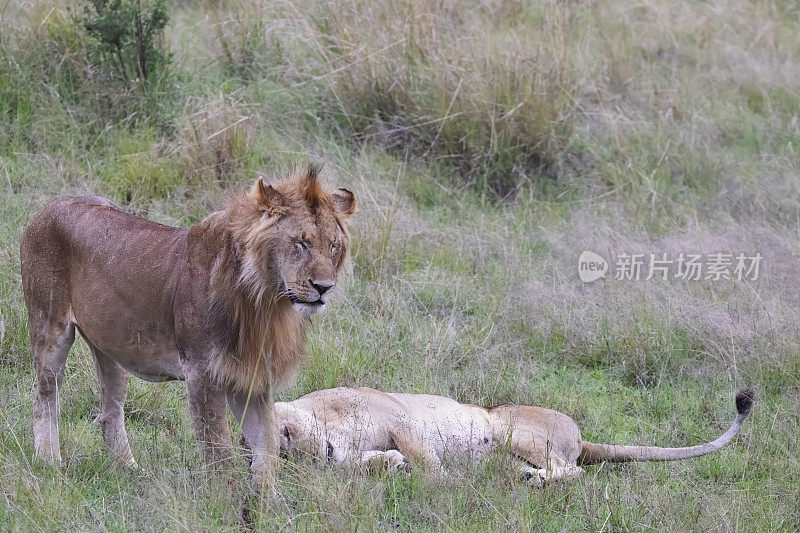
263	193
344	202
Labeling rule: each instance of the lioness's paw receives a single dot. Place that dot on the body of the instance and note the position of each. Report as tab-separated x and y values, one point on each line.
394	460
536	477
404	467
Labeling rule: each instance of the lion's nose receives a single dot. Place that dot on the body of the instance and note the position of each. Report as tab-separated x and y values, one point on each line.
322	286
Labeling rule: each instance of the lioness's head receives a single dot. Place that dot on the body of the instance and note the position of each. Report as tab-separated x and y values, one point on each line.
298	241
296	432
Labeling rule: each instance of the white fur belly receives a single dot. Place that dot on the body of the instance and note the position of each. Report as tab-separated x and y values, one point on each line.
457	432
156	377
458	438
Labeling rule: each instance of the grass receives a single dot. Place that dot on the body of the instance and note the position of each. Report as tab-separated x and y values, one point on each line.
487	145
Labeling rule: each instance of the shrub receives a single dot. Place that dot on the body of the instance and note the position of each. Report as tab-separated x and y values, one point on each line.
127	32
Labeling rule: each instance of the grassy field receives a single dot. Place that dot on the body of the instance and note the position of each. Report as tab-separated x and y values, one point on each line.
488	145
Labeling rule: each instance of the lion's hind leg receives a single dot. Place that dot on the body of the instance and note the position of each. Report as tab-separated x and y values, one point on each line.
113	390
547	442
541	476
50	341
543	457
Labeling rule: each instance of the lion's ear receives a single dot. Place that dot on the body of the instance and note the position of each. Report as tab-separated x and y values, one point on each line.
344	202
264	194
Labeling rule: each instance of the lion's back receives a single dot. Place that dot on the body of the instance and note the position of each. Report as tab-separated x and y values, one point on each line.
72	222
85	220
80	250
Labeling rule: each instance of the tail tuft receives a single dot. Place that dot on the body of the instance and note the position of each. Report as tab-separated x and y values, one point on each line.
744	401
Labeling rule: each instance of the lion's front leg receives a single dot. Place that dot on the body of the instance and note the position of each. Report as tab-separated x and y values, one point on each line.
254	413
207	406
419	449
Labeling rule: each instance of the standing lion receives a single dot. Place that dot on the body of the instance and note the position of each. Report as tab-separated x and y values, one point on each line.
223	305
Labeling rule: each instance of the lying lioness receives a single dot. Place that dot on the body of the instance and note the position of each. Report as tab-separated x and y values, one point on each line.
372	428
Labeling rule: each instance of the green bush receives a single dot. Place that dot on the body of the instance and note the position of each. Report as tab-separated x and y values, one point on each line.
127	32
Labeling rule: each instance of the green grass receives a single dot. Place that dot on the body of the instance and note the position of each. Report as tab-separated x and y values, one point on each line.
662	127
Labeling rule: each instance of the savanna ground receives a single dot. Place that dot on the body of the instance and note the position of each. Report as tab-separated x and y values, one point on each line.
488	144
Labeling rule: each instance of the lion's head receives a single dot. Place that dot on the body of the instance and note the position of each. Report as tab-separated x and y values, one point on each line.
296	245
284	247
294	431
298	432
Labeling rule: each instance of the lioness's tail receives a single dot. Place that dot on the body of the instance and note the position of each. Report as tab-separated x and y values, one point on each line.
597	453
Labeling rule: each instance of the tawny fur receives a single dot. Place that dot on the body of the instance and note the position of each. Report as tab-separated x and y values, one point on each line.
223	305
372	428
261	323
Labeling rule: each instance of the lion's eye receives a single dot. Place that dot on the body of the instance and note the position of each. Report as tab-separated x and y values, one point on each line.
286	434
301	245
334	247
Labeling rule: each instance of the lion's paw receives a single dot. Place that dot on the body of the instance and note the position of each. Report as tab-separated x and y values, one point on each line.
536	477
395	460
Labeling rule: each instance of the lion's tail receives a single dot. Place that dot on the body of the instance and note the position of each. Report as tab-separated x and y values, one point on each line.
597	453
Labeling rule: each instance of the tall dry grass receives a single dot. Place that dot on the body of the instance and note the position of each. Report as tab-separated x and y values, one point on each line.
486	89
216	135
